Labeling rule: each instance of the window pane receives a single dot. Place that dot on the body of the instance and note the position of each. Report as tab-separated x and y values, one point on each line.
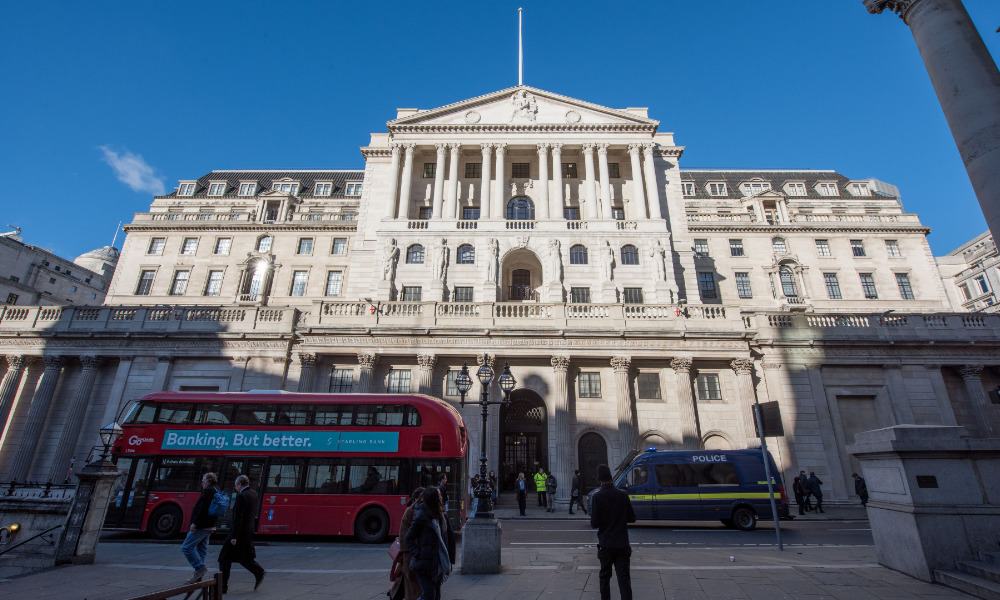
182	474
579	295
706	285
743	289
571	213
411	293
399	381
462	294
326	476
708	387
334	281
736	247
213	414
520	170
632	295
701	247
174	413
868	286
341	381
470	213
305	246
374	476
450	387
832	286
415	254
649	386
630	255
473	170
578	255
569	171
466	254
857	248
283	475
823	247
299	281
905	289
339	246
342	414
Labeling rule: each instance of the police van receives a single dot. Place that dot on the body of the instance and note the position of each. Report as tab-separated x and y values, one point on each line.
701	485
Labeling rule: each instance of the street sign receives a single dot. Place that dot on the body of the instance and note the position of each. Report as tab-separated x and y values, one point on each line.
771	417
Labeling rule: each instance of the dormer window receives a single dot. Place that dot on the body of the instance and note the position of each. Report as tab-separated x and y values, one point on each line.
752	188
248	188
286	187
354	188
796	188
859	189
688	188
826	188
186	188
323	188
216	188
717	188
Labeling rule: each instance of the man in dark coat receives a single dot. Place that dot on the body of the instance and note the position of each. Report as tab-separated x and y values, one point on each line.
610	513
195	544
860	488
814	485
239	545
576	493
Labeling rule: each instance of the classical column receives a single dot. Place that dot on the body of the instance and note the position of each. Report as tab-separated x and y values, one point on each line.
627	430
484	182
687	410
425	372
307	372
403	208
8	388
542	206
451	210
602	158
75	416
438	197
366	371
238	373
561	444
743	367
967	84
35	422
394	182
500	196
557	182
972	378
638	196
590	192
652	188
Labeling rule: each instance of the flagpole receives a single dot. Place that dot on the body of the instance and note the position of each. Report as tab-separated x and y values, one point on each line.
520	51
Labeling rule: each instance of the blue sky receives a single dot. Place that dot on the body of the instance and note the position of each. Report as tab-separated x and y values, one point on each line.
168	90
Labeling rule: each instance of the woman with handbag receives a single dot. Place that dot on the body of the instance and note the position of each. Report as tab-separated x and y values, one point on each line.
404	583
429	556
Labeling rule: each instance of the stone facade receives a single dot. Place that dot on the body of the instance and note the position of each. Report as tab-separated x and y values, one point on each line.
970	274
637	303
32	275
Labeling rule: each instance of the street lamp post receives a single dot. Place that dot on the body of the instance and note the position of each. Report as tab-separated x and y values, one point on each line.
485	374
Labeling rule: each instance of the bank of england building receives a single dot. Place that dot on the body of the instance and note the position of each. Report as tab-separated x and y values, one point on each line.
638	303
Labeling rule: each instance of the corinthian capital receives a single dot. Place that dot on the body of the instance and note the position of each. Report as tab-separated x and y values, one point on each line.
52	362
441	148
486	148
556	148
742	366
409	148
647	149
543	149
602	149
900	7
366	360
15	361
621	364
634	148
485	358
681	364
307	359
971	371
560	363
426	361
90	362
500	148
455	146
588	148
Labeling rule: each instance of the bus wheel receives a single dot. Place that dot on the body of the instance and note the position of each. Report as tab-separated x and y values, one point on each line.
165	522
744	519
372	526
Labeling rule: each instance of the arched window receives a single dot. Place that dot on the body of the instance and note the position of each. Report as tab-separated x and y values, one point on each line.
264	243
521	208
778	245
630	255
256	283
466	255
787	277
415	255
578	254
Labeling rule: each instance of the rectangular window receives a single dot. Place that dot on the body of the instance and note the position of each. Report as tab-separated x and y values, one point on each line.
614	171
299	281
832	286
826	189
752	188
589	384
649	386
688	188
462	293
190	246
326	476
430	169
248	188
12	298
180	283
216	188
339	247
181	474
286	187
411	293
984	287
145	285
424	213
778	245
905	289
569	171
860	189
305	246
796	189
323	188
571	213
579	295
470	213
736	248
398	382
743	289
156	246
334	282
223	245
341	381
858	248
701	248
632	295
451	385
213	287
706	285
892	249
284	474
186	189
617	214
473	170
520	170
708	386
354	189
717	189
823	248
965	291
374	476
868	286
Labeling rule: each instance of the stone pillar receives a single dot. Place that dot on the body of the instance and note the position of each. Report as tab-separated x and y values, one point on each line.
484	182
394	182
604	208
902	411
561	444
366	371
425	372
500	195
8	388
307	372
556	210
403	207
941	394
238	373
743	367
35	422
687	409
451	209
542	206
653	188
438	197
116	399
967	84
638	195
589	189
972	378
75	416
627	429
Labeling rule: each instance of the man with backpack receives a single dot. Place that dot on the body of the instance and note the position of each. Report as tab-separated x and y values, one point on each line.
211	505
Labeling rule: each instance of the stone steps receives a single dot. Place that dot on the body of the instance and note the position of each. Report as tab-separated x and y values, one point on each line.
980	569
970	584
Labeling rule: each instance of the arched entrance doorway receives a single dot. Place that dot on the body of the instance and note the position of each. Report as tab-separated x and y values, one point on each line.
523	440
591	452
521	276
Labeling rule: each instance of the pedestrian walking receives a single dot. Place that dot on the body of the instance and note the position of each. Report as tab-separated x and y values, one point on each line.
550	489
860	488
816	489
800	494
203	520
443	486
238	546
521	486
807	493
430	560
411	589
610	513
576	493
540	486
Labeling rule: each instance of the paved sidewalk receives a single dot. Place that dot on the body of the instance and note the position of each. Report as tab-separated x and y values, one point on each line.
836	512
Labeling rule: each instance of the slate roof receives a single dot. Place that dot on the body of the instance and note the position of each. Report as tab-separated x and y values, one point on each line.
307	182
733	179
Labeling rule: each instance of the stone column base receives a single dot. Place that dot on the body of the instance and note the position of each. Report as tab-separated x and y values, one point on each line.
481	547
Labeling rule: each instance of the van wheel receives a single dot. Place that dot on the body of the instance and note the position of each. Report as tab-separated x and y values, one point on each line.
372	526
727	522
165	522
744	519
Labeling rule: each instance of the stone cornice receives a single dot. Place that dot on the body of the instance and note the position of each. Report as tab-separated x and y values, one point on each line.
374	152
236	227
523	128
800	227
670	151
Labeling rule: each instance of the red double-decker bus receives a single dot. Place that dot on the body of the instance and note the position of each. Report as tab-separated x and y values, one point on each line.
323	464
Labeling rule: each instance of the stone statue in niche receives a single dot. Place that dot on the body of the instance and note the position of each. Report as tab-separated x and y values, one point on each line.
525	106
555	261
492	256
440	266
608	264
390	257
656	257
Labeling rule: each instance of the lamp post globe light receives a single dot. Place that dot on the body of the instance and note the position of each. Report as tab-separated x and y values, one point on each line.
485	375
109	435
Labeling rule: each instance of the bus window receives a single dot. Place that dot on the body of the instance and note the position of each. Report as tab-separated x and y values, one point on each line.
261	414
326	476
146	413
716	474
283	475
291	415
334	415
374	476
174	413
380	414
182	474
413	417
213	414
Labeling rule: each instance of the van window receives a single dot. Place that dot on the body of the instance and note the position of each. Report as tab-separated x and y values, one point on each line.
716	474
676	476
638	476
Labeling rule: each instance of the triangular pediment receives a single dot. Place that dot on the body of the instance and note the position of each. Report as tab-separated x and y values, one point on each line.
523	106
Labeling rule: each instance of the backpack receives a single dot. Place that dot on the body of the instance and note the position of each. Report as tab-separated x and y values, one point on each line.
219	505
